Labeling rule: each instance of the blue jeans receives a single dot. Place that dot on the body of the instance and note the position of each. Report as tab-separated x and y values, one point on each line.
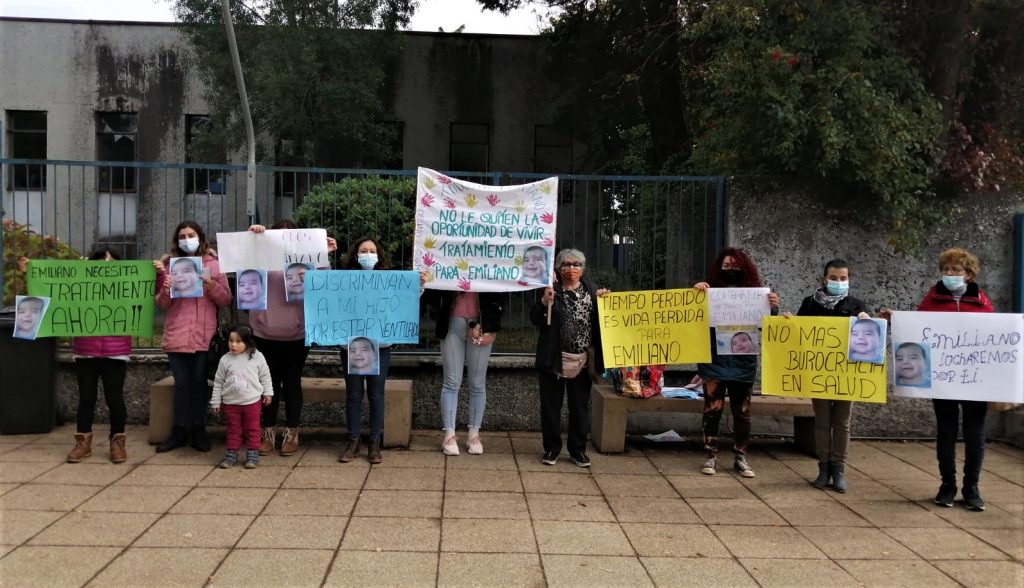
191	394
458	353
373	387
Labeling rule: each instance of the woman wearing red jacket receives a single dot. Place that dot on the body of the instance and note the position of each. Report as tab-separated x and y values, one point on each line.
958	292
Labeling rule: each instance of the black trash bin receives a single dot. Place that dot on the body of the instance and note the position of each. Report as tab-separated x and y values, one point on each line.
27	376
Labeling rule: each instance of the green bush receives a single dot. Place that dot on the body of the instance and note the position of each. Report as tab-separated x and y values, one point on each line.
20	241
381	208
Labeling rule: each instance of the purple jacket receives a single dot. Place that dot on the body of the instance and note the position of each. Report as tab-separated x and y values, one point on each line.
105	346
191	322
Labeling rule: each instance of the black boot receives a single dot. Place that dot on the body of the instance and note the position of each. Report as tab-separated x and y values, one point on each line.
839	477
178	438
824	473
200	440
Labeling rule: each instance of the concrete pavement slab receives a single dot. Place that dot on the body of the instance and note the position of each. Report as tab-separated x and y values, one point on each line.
18	526
856	543
734	511
634	485
581	538
47	497
399	503
937	544
239	477
978	574
19	472
696	571
903	573
411	459
95	528
160	567
166	475
392	534
491	569
668	540
574	570
661	510
294	532
819	513
273	567
482	480
195	530
505	461
487	536
31	565
750	542
485	505
559	483
717	486
569	507
896	514
1009	541
383	568
320	477
88	474
798	573
239	501
405	479
291	501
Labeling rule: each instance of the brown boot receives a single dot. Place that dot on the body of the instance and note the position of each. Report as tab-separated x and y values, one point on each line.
351	451
267	441
117	452
374	452
290	444
83	447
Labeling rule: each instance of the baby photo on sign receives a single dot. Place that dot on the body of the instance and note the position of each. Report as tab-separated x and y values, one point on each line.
294	274
363	359
867	340
28	315
186	277
252	291
912	365
535	266
737	340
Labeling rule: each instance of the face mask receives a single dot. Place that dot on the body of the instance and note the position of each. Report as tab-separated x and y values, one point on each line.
732	277
953	282
190	245
837	288
367	260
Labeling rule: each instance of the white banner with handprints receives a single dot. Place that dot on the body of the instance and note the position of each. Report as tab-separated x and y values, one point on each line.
958	355
478	238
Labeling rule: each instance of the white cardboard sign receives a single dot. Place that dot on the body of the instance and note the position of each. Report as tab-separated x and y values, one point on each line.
271	249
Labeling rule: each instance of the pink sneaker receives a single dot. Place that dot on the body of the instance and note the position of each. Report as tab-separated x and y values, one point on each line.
475	446
450	446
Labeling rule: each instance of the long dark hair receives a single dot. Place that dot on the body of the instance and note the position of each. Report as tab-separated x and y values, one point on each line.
352	257
204	245
751	279
102	253
245	334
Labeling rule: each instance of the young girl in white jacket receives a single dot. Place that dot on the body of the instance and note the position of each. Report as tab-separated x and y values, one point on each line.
241	386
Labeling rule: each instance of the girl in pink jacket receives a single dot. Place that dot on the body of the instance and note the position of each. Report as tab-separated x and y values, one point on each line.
189	326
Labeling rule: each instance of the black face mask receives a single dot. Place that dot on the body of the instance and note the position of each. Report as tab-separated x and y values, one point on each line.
732	277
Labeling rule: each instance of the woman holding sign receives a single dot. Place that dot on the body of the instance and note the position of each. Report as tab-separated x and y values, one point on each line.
280	331
188	328
568	352
958	292
730	374
832	417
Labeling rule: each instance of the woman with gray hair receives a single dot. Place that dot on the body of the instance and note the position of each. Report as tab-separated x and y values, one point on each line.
568	351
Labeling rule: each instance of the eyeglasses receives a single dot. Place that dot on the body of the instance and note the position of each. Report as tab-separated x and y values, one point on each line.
573	265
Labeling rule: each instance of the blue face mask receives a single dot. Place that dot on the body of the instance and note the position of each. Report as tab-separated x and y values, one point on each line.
837	288
953	283
367	260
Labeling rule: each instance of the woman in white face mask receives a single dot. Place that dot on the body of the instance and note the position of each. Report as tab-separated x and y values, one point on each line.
188	328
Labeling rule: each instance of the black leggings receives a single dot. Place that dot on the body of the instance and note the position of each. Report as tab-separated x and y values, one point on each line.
285	360
90	371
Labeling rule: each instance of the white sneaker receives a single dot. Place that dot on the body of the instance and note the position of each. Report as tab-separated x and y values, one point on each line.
475	446
741	466
450	446
709	466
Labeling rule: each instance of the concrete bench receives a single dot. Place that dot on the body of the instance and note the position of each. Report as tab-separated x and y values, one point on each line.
397	406
610	410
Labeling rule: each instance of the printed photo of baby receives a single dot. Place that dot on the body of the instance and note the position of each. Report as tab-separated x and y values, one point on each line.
744	340
363	357
252	291
28	315
913	365
294	274
535	266
185	277
867	340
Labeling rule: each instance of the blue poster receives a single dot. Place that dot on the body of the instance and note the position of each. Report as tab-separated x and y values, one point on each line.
381	305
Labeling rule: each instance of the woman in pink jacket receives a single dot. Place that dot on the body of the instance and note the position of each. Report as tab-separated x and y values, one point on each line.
189	326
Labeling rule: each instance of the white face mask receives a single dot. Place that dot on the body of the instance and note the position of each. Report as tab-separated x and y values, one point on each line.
953	283
190	245
367	260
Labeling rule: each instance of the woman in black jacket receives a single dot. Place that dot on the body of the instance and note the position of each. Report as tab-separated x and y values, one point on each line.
568	352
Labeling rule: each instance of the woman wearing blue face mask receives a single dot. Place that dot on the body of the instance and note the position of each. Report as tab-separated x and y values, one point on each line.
365	254
832	417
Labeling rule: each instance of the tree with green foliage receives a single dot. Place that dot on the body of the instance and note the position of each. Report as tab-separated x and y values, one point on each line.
314	73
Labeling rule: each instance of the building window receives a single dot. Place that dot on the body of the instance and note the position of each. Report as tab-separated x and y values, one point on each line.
469	148
26	134
115	141
199	180
552	149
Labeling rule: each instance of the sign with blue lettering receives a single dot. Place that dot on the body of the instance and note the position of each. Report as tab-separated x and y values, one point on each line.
381	305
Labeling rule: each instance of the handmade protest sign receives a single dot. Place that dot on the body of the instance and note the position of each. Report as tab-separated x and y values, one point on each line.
478	238
381	305
94	297
271	249
653	327
958	356
805	357
738	306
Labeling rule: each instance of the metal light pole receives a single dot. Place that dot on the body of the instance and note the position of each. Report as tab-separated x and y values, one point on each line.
250	136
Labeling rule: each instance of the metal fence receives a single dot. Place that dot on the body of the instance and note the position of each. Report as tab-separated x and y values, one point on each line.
638	232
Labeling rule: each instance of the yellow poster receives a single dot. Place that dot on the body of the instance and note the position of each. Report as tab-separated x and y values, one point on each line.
806	357
653	327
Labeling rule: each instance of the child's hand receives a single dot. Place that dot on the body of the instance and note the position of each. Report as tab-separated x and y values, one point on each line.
773	299
885	313
158	265
167	286
702	286
787	314
332	245
549	296
22	264
216	409
602	291
257	229
266	400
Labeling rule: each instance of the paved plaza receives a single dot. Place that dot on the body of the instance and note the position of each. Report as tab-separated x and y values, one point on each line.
647	517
